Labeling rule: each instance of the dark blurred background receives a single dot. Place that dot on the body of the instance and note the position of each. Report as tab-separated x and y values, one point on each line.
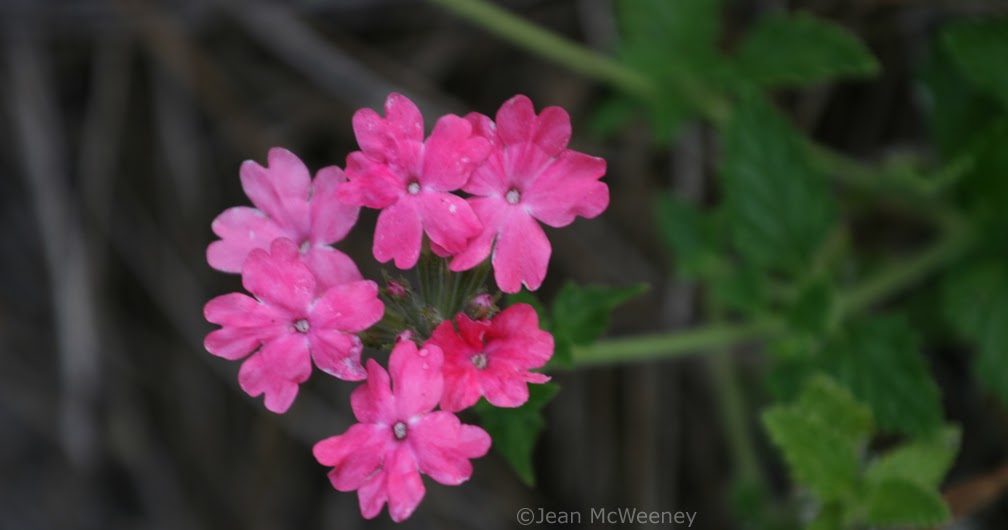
123	123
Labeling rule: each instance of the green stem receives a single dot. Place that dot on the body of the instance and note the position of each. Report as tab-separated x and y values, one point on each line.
549	45
954	241
674	344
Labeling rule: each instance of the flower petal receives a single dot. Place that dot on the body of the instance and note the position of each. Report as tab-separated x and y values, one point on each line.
372	402
331	267
276	370
399	234
337	354
246	322
451	153
372	495
514	334
416	378
443	446
516	120
491	212
403	483
350	307
553	130
460	390
279	278
448	220
355	455
483	126
503	388
522	253
331	219
567	188
281	189
371	183
240	229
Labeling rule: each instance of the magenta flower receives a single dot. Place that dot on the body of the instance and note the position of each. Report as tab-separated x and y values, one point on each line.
492	358
398	436
530	175
289	205
290	324
411	180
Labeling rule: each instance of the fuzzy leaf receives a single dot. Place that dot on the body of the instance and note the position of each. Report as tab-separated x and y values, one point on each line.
923	461
976	302
902	503
820	437
880	361
794	50
779	207
979	48
516	431
581	315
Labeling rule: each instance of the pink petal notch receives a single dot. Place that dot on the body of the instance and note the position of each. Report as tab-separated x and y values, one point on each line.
399	436
289	204
530	177
412	180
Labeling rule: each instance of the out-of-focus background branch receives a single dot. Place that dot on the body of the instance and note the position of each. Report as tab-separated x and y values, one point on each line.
124	123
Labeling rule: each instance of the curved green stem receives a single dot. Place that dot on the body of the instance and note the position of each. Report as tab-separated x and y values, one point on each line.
673	344
549	45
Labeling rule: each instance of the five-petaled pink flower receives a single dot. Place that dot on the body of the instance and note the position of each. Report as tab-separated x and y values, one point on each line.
291	324
492	358
530	175
398	436
411	180
289	205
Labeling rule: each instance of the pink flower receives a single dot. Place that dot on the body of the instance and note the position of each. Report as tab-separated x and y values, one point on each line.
492	358
292	324
530	175
411	180
398	436
289	205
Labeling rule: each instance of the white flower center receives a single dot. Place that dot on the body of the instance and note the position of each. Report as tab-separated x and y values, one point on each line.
479	360
399	430
305	246
301	326
513	196
413	188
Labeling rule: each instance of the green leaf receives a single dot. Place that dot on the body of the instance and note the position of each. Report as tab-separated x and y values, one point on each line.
820	437
690	234
581	315
794	50
897	502
811	310
979	48
779	207
880	361
675	45
516	431
923	461
976	302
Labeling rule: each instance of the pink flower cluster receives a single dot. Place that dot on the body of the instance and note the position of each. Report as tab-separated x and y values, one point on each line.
309	304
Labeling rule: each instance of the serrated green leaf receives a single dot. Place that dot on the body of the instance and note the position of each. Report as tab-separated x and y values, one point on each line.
793	50
923	461
516	431
880	361
976	302
779	207
979	48
581	315
896	502
675	45
817	456
820	436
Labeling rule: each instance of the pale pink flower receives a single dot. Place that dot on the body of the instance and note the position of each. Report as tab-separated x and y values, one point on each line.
288	204
492	358
398	436
411	180
530	175
288	325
